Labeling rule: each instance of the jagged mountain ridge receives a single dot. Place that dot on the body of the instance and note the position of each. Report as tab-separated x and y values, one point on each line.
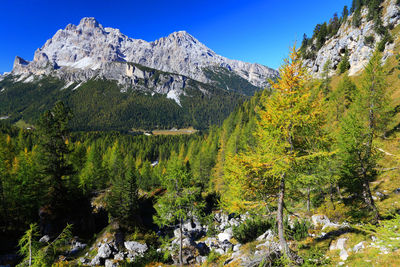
353	40
115	82
81	52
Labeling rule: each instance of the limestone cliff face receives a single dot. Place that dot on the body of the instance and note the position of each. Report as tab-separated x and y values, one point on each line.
81	52
352	39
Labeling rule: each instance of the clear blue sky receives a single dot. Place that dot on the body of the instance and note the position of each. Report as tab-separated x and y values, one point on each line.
249	30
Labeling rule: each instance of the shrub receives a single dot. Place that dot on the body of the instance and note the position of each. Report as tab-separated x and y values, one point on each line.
344	64
299	230
369	40
339	213
252	228
213	257
212	230
382	44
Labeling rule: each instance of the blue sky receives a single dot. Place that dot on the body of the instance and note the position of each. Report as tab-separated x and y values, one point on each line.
248	30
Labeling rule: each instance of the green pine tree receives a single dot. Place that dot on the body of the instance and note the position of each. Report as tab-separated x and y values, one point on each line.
181	199
365	119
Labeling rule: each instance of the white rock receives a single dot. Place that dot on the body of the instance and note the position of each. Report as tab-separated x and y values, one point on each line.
224	236
236	247
135	247
220	251
268	235
320	219
340	244
111	263
359	246
95	261
343	255
104	251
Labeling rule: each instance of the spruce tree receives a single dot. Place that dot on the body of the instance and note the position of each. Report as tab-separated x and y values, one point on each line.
345	14
122	199
365	119
181	199
53	134
344	63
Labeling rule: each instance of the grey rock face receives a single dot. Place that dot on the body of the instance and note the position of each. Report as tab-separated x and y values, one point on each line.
352	40
81	52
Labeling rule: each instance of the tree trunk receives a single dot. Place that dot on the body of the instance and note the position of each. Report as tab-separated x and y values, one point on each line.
308	199
366	192
30	251
279	219
180	244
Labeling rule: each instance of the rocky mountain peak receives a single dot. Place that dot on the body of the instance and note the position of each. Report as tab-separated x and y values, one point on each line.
88	47
182	36
89	22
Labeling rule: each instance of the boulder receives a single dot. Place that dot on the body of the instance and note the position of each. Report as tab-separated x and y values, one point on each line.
359	246
104	251
211	242
220	251
234	222
135	248
111	263
343	255
119	256
224	236
236	248
226	245
268	235
95	261
186	242
340	244
320	220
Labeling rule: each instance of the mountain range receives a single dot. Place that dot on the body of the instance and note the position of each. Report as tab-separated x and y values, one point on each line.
179	81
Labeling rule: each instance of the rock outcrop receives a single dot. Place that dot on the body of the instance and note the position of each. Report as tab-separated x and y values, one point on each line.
352	39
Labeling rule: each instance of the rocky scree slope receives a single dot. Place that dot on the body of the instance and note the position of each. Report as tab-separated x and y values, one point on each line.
88	50
353	40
